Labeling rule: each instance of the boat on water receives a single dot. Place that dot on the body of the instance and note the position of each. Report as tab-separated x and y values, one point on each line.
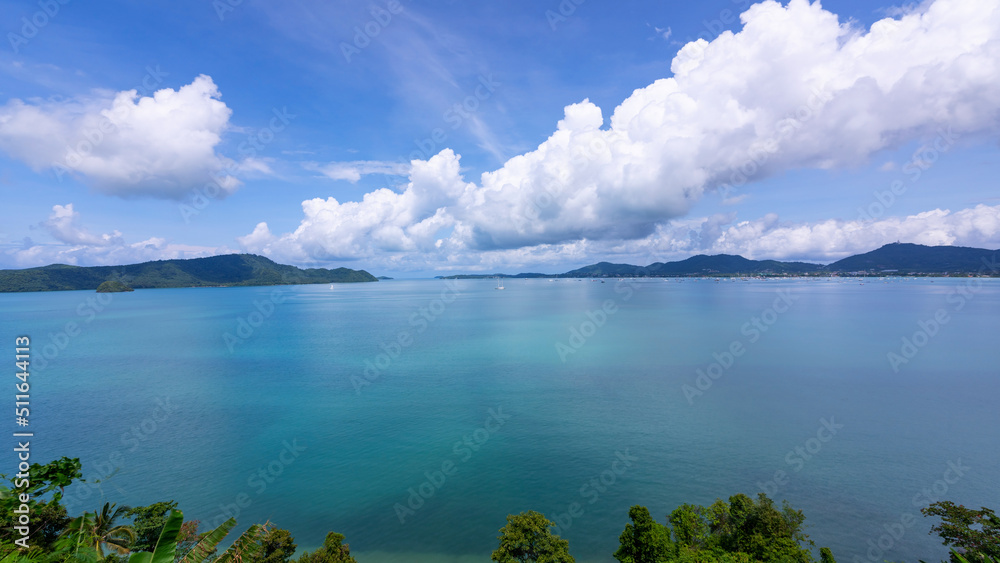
499	283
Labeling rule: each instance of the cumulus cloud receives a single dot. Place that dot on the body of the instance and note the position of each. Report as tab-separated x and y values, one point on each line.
64	225
795	88
125	144
384	219
770	238
77	245
764	238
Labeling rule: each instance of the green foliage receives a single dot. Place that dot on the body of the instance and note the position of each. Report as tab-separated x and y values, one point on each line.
113	286
690	525
166	544
227	270
99	531
976	532
741	530
48	516
761	530
826	556
644	540
955	556
527	538
278	546
148	521
334	550
246	547
206	543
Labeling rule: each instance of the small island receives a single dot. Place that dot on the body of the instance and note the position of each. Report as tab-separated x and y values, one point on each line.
113	286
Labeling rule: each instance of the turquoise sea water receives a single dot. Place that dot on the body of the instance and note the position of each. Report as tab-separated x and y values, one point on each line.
268	420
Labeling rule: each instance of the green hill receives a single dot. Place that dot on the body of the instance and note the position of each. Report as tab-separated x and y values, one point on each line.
917	258
227	270
896	258
700	265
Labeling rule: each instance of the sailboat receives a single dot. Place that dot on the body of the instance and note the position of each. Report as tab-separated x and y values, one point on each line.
499	283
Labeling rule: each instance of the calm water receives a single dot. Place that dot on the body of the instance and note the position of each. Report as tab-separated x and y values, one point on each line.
270	419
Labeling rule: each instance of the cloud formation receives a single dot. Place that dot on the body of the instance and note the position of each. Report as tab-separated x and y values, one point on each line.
795	88
125	144
354	170
76	245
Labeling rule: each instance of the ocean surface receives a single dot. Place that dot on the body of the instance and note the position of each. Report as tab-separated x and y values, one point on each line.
413	416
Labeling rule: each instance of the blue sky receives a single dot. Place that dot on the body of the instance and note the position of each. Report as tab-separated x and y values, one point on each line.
386	134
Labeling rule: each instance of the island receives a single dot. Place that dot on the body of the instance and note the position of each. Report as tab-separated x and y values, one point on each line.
895	259
228	270
113	286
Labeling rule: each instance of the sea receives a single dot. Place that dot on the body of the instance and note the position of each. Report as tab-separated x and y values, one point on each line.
413	416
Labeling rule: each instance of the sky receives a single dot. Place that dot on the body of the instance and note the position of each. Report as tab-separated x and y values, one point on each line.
414	138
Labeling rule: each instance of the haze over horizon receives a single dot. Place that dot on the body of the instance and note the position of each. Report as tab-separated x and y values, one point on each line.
430	144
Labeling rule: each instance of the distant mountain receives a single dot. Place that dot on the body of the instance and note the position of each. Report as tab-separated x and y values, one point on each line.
227	270
727	263
700	265
891	258
605	270
906	258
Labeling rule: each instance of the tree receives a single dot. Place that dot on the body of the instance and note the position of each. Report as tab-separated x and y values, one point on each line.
48	515
974	532
148	522
826	556
108	535
99	531
527	538
277	546
334	550
690	527
644	540
759	529
166	544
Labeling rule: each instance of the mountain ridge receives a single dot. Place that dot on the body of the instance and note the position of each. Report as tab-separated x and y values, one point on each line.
225	270
890	259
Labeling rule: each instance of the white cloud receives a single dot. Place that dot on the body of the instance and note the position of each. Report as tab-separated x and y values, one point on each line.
765	238
770	238
64	225
124	144
76	245
354	170
383	221
795	88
